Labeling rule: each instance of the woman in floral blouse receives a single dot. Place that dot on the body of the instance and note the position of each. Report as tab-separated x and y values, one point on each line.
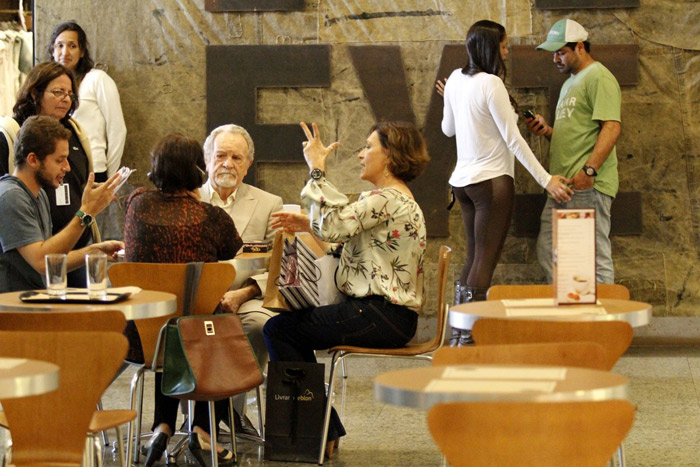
381	266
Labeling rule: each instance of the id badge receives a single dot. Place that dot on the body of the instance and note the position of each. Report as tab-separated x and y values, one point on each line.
63	195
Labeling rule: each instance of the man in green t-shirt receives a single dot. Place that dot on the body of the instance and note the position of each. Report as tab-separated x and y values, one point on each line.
582	148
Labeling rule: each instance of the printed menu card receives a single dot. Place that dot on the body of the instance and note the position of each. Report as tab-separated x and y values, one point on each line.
573	250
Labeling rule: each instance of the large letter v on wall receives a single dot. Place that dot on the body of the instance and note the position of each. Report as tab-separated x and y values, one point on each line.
381	72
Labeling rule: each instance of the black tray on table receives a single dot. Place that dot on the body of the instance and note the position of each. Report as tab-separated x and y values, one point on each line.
75	297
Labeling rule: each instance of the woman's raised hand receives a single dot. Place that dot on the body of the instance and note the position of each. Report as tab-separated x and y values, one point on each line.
315	152
559	188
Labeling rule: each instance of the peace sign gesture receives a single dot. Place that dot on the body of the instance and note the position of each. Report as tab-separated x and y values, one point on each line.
315	152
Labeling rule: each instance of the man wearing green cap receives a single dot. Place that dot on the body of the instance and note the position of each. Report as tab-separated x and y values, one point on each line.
582	148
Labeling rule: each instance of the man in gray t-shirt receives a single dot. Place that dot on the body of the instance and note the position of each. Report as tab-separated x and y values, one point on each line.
41	162
26	220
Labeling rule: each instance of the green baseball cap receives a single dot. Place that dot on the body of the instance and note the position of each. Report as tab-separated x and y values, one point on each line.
563	32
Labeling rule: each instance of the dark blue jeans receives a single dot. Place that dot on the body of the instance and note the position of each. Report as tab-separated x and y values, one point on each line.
365	322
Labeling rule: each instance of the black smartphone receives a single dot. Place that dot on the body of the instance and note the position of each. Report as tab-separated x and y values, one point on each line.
528	114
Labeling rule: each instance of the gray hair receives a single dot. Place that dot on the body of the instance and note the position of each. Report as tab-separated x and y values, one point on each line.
230	128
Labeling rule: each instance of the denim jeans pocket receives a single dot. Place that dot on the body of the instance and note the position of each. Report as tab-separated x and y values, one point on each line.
355	322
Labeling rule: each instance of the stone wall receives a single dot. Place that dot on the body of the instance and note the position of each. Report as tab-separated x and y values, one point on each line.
155	51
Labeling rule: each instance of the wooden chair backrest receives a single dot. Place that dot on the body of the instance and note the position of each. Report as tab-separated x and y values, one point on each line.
524	434
60	320
616	291
505	291
170	277
576	354
614	336
51	428
443	268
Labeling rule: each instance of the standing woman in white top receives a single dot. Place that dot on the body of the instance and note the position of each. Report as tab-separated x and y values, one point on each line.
100	112
482	115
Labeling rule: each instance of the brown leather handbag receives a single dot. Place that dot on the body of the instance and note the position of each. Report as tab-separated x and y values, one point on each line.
208	357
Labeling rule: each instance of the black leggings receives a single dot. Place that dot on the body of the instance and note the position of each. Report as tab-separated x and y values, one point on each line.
487	208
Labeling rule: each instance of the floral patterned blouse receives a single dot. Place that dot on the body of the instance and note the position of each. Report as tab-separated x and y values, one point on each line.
384	239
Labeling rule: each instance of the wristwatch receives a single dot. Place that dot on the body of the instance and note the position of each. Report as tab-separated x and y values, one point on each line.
316	174
590	171
86	219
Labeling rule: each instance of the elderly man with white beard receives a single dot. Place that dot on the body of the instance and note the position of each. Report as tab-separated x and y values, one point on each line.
228	153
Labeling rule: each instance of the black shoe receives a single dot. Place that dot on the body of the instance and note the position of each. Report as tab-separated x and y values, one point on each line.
198	447
155	450
244	428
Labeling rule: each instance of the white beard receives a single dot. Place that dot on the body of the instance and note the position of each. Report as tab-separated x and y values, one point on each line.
226	180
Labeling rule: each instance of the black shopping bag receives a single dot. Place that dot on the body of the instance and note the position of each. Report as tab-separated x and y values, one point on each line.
295	405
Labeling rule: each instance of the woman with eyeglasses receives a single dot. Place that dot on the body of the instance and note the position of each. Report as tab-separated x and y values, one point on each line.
49	90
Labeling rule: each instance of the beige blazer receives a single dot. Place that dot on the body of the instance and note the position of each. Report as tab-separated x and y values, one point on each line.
250	212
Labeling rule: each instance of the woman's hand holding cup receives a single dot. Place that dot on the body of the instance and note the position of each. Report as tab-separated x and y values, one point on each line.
290	222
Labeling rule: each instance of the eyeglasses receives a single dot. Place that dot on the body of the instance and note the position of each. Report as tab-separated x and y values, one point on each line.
60	94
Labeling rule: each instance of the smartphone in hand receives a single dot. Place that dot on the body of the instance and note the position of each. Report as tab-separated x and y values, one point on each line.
528	114
125	172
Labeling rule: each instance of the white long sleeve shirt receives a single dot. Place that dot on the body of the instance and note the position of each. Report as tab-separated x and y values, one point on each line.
478	112
100	115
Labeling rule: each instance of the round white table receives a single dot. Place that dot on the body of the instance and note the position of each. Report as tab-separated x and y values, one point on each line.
463	316
423	387
20	377
145	304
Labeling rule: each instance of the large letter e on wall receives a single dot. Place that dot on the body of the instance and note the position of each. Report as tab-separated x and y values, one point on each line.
234	73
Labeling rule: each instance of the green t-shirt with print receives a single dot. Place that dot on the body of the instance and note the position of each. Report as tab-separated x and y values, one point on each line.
586	98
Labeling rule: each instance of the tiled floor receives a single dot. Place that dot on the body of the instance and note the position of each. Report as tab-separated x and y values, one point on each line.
663	384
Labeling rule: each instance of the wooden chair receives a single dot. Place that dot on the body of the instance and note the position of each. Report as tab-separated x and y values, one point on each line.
51	429
614	336
576	354
614	348
214	281
103	320
522	434
500	292
422	350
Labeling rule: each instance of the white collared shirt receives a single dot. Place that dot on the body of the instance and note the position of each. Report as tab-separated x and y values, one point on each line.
215	199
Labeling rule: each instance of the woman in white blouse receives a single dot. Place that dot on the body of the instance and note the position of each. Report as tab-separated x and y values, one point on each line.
100	112
381	265
483	117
